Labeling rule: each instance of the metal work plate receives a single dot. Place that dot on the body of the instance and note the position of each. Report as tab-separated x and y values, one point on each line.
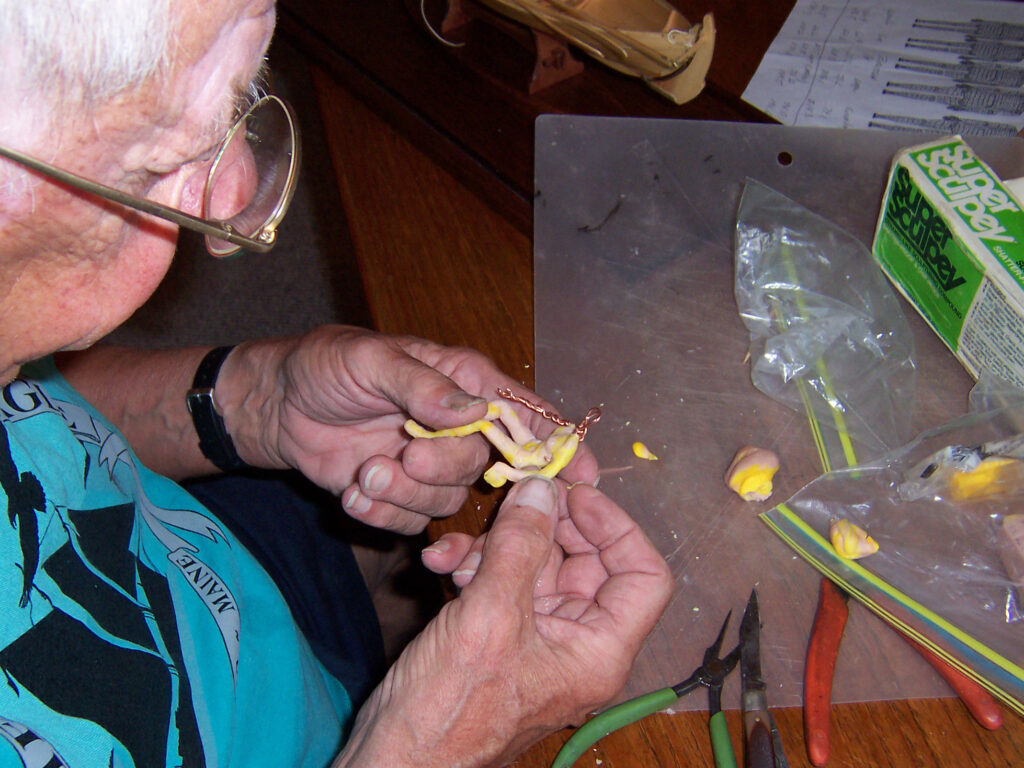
634	223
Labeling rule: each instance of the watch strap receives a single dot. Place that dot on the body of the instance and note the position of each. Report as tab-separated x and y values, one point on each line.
214	440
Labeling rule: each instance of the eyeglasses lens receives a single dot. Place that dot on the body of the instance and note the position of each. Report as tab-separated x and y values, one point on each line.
252	180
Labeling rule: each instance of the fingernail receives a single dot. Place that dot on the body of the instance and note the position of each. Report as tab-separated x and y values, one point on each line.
357	503
377	478
469	566
461	401
538	492
438	547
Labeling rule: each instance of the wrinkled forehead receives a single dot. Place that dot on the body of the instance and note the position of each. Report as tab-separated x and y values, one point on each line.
218	51
217	47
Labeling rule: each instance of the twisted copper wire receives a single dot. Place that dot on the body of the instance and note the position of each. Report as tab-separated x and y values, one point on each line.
592	417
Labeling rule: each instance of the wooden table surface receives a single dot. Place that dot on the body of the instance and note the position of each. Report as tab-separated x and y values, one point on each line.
439	261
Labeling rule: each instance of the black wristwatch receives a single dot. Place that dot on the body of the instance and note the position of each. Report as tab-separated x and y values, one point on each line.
214	440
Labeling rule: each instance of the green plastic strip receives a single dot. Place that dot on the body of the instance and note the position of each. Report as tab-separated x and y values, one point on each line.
849	455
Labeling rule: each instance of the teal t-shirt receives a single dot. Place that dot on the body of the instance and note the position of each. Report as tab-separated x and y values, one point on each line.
135	630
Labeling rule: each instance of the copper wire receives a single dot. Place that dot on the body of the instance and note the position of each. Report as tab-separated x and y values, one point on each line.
592	417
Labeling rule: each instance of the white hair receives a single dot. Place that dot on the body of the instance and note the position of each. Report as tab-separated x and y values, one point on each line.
67	57
58	55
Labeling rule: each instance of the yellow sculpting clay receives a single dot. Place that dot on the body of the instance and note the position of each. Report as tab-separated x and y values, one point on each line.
751	472
851	541
525	454
641	451
987	478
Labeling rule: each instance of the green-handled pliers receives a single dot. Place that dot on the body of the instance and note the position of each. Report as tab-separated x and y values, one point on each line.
711	674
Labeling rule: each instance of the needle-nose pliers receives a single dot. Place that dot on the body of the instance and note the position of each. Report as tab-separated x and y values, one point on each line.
711	674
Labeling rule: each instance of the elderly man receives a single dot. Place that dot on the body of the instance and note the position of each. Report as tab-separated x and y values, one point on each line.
136	629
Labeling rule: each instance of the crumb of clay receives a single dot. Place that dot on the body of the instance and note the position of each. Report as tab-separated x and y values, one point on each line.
641	451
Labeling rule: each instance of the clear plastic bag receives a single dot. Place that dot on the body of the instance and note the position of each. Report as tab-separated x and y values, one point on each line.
827	334
947	570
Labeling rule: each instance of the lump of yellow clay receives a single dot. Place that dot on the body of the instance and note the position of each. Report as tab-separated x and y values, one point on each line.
850	541
641	451
562	446
991	476
414	429
525	454
751	472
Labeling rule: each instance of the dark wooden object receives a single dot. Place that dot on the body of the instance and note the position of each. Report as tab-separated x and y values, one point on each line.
553	61
469	108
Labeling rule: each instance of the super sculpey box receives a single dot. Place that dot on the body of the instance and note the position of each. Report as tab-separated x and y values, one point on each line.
950	237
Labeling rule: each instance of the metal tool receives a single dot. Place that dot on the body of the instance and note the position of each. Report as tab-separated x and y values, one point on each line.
711	674
822	650
764	746
721	744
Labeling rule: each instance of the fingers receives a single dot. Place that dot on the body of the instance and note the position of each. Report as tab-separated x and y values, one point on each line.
457	554
429	396
609	529
582	469
446	460
518	545
461	555
410	481
445	555
475	374
634	583
384	496
442	387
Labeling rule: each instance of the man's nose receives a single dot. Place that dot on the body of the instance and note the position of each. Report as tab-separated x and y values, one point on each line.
234	182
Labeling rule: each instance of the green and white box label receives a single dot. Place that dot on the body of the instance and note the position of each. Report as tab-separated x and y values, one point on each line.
950	238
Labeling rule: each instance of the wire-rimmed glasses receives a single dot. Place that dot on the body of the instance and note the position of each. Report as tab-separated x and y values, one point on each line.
230	223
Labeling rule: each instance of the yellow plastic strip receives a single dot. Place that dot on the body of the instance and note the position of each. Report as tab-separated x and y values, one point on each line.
819	440
844	435
840	421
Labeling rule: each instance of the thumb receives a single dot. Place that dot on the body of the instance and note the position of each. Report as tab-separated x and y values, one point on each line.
519	543
430	397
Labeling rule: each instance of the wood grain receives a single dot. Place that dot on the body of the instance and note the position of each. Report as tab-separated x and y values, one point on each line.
439	262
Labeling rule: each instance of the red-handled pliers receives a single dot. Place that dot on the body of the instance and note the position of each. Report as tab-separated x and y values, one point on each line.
822	650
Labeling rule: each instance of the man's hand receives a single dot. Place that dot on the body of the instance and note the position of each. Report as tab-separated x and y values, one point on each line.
557	601
332	404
